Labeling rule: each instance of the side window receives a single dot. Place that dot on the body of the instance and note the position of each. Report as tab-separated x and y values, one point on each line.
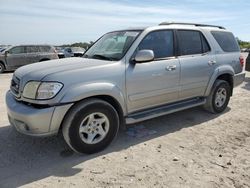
161	42
226	41
189	42
68	50
44	48
205	45
17	50
32	49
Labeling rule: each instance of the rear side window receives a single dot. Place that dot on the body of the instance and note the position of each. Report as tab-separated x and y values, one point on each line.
161	42
45	49
68	50
192	42
226	41
32	49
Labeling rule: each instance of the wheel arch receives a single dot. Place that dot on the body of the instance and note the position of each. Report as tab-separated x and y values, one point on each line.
107	98
4	66
107	92
1	62
225	73
228	78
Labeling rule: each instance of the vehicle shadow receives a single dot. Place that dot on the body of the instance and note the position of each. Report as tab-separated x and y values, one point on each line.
7	72
247	85
26	159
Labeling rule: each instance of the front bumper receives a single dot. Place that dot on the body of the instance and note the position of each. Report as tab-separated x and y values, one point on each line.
239	78
35	121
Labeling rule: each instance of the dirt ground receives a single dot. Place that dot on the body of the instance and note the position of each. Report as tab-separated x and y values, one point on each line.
191	148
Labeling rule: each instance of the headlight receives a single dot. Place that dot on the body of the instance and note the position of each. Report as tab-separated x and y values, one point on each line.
41	90
48	90
30	89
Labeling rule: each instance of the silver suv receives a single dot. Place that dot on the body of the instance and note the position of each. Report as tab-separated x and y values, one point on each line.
17	56
126	77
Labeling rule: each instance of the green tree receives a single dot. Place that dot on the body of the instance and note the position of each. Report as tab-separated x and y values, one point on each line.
243	44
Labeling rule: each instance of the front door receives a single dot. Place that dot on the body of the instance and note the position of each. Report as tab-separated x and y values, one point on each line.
156	82
16	57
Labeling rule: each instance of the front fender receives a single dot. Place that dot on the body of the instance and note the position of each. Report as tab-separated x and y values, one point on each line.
224	69
80	92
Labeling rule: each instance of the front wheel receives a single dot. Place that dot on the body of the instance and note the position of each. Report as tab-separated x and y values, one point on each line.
219	97
90	126
2	68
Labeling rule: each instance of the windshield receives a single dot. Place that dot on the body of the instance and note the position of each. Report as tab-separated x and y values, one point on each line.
112	46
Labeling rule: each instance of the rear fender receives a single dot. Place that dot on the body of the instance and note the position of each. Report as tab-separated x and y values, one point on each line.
225	69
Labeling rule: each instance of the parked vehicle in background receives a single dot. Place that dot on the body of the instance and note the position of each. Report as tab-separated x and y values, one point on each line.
245	50
78	51
74	51
2	49
59	51
248	62
127	76
17	56
63	53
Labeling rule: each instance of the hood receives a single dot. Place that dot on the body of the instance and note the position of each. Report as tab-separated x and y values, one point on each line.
2	51
38	71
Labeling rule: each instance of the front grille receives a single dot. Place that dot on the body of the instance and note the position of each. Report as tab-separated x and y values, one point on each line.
15	86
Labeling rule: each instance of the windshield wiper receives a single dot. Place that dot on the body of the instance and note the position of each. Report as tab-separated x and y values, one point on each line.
99	56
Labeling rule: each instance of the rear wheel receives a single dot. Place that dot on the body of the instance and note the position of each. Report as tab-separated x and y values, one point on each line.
90	126
2	68
219	97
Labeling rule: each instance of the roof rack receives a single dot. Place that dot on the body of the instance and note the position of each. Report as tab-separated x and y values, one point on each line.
194	24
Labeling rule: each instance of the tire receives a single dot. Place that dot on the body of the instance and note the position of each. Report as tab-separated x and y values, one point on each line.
219	97
2	68
84	120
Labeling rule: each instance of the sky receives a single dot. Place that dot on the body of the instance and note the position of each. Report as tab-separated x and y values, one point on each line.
60	22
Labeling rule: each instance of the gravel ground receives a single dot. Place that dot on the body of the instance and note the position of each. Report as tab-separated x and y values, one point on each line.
191	148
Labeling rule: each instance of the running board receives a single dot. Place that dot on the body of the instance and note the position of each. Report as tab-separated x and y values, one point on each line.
163	110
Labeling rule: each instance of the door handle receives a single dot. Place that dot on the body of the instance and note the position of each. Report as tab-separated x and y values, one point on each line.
170	68
157	75
212	62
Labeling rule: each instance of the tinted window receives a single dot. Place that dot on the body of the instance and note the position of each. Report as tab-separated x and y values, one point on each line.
17	50
45	49
161	42
32	49
205	45
68	50
189	42
226	41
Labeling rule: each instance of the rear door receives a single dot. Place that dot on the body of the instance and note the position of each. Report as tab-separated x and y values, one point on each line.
16	57
32	54
197	63
47	52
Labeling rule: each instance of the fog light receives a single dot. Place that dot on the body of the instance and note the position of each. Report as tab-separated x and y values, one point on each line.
22	126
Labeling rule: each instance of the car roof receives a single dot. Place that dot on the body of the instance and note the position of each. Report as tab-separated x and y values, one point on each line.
31	45
178	25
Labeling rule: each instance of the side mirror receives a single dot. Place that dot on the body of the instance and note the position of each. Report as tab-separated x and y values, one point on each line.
143	56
